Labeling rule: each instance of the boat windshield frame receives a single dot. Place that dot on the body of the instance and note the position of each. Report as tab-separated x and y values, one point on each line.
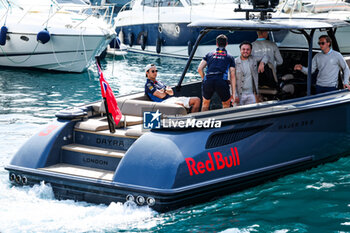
304	26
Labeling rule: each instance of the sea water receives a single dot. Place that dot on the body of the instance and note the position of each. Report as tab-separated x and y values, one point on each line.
316	200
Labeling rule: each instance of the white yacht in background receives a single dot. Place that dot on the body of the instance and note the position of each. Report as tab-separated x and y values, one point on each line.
316	9
69	41
160	27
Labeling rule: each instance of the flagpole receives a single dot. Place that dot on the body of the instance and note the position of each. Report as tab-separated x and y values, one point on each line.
111	124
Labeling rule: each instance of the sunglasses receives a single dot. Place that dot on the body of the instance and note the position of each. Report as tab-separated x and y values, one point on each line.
154	71
321	43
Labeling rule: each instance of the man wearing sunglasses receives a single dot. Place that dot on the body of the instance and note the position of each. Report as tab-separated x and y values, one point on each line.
158	92
329	63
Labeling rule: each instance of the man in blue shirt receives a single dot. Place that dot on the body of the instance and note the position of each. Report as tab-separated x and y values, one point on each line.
159	92
220	72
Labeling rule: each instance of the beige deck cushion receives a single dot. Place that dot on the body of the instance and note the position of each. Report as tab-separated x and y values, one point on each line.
99	124
137	107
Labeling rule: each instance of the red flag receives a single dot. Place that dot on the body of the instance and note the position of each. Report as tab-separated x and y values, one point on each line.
107	93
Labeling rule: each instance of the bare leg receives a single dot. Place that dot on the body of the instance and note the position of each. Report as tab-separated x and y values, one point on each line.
205	104
195	102
226	104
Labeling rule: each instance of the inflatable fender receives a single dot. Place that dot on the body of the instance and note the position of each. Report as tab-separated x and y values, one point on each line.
189	47
43	36
143	40
3	33
131	38
159	45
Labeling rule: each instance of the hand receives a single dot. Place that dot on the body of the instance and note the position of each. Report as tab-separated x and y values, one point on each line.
298	67
261	68
347	86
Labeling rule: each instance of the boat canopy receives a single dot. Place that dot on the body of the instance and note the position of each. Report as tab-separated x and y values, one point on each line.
270	24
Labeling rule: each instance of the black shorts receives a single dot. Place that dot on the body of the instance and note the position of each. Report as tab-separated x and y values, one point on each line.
218	85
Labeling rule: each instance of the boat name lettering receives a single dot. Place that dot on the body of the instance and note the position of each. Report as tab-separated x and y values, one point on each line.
216	162
95	161
292	125
110	142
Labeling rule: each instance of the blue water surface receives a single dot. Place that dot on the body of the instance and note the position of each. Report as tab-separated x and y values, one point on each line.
317	200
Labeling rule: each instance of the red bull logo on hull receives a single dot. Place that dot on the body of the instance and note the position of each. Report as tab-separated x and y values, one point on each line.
213	163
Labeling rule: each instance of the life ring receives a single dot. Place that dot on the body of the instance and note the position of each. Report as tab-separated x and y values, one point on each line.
158	45
189	47
131	39
143	40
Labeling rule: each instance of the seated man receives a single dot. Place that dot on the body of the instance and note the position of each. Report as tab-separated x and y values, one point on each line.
158	92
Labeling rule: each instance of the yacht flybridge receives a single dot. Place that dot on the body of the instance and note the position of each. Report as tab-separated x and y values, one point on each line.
187	160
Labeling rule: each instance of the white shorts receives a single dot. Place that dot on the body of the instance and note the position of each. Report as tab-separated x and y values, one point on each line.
185	101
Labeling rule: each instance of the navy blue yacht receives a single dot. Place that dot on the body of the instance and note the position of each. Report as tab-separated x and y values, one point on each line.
191	158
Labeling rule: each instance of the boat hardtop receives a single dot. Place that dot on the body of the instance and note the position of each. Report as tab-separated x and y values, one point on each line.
171	167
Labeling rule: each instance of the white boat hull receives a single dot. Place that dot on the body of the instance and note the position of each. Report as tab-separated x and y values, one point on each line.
69	53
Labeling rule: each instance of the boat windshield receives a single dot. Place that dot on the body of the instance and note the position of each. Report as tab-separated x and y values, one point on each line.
78	2
313	6
213	2
26	3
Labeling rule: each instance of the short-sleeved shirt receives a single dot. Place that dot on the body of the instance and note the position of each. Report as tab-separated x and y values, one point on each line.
218	63
151	87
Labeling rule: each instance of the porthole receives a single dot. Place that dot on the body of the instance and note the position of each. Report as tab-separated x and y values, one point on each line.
160	29
24	38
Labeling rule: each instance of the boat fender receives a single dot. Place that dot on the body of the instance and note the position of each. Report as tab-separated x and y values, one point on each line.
189	47
121	36
3	33
159	45
115	43
43	36
118	43
131	39
143	40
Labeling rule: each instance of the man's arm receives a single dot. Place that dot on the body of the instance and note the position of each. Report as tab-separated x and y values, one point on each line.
278	56
346	72
201	67
314	66
233	82
263	60
159	93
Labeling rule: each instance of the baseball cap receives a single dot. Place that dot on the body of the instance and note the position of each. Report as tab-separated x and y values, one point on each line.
149	66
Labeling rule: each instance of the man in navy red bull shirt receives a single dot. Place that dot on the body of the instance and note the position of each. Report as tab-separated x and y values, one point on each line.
158	92
220	72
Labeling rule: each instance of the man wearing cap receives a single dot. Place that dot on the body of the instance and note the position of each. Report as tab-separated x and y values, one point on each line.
159	92
220	72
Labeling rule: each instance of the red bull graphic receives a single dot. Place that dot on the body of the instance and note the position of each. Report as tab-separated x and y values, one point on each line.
215	162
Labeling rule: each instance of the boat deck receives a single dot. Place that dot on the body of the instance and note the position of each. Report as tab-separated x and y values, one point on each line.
69	169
